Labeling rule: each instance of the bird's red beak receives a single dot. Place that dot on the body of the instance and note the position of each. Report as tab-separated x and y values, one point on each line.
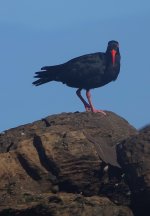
113	54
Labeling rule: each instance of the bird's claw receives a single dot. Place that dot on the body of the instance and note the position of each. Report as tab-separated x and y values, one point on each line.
89	109
98	111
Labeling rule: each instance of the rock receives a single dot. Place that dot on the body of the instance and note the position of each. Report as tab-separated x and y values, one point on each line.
66	204
134	157
72	153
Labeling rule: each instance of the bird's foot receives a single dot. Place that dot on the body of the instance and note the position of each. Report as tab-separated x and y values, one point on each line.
98	111
88	108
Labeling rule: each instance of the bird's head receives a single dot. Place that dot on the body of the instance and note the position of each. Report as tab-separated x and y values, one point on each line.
113	49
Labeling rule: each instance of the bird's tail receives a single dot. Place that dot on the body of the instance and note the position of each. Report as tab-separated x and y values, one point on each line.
47	74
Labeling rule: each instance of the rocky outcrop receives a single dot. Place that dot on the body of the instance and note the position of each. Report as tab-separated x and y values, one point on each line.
134	157
67	164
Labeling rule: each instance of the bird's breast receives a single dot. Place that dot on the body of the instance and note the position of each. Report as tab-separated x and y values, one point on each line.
111	73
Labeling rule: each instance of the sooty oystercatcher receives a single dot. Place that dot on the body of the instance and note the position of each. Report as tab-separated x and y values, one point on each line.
85	72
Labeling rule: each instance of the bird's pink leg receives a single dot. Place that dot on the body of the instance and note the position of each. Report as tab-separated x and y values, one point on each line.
88	94
87	106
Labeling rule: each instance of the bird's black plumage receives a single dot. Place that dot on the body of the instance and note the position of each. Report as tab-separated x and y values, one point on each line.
84	72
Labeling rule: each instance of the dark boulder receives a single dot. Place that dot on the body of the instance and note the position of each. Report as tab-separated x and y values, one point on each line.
134	157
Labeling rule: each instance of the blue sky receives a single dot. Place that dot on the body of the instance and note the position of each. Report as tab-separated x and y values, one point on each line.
36	33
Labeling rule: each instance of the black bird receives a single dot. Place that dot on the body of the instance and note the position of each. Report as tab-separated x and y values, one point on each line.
85	72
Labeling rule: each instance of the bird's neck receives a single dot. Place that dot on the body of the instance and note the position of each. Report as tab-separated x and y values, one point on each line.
112	70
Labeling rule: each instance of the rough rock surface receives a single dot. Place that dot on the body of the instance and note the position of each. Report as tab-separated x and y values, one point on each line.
66	204
65	165
134	157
